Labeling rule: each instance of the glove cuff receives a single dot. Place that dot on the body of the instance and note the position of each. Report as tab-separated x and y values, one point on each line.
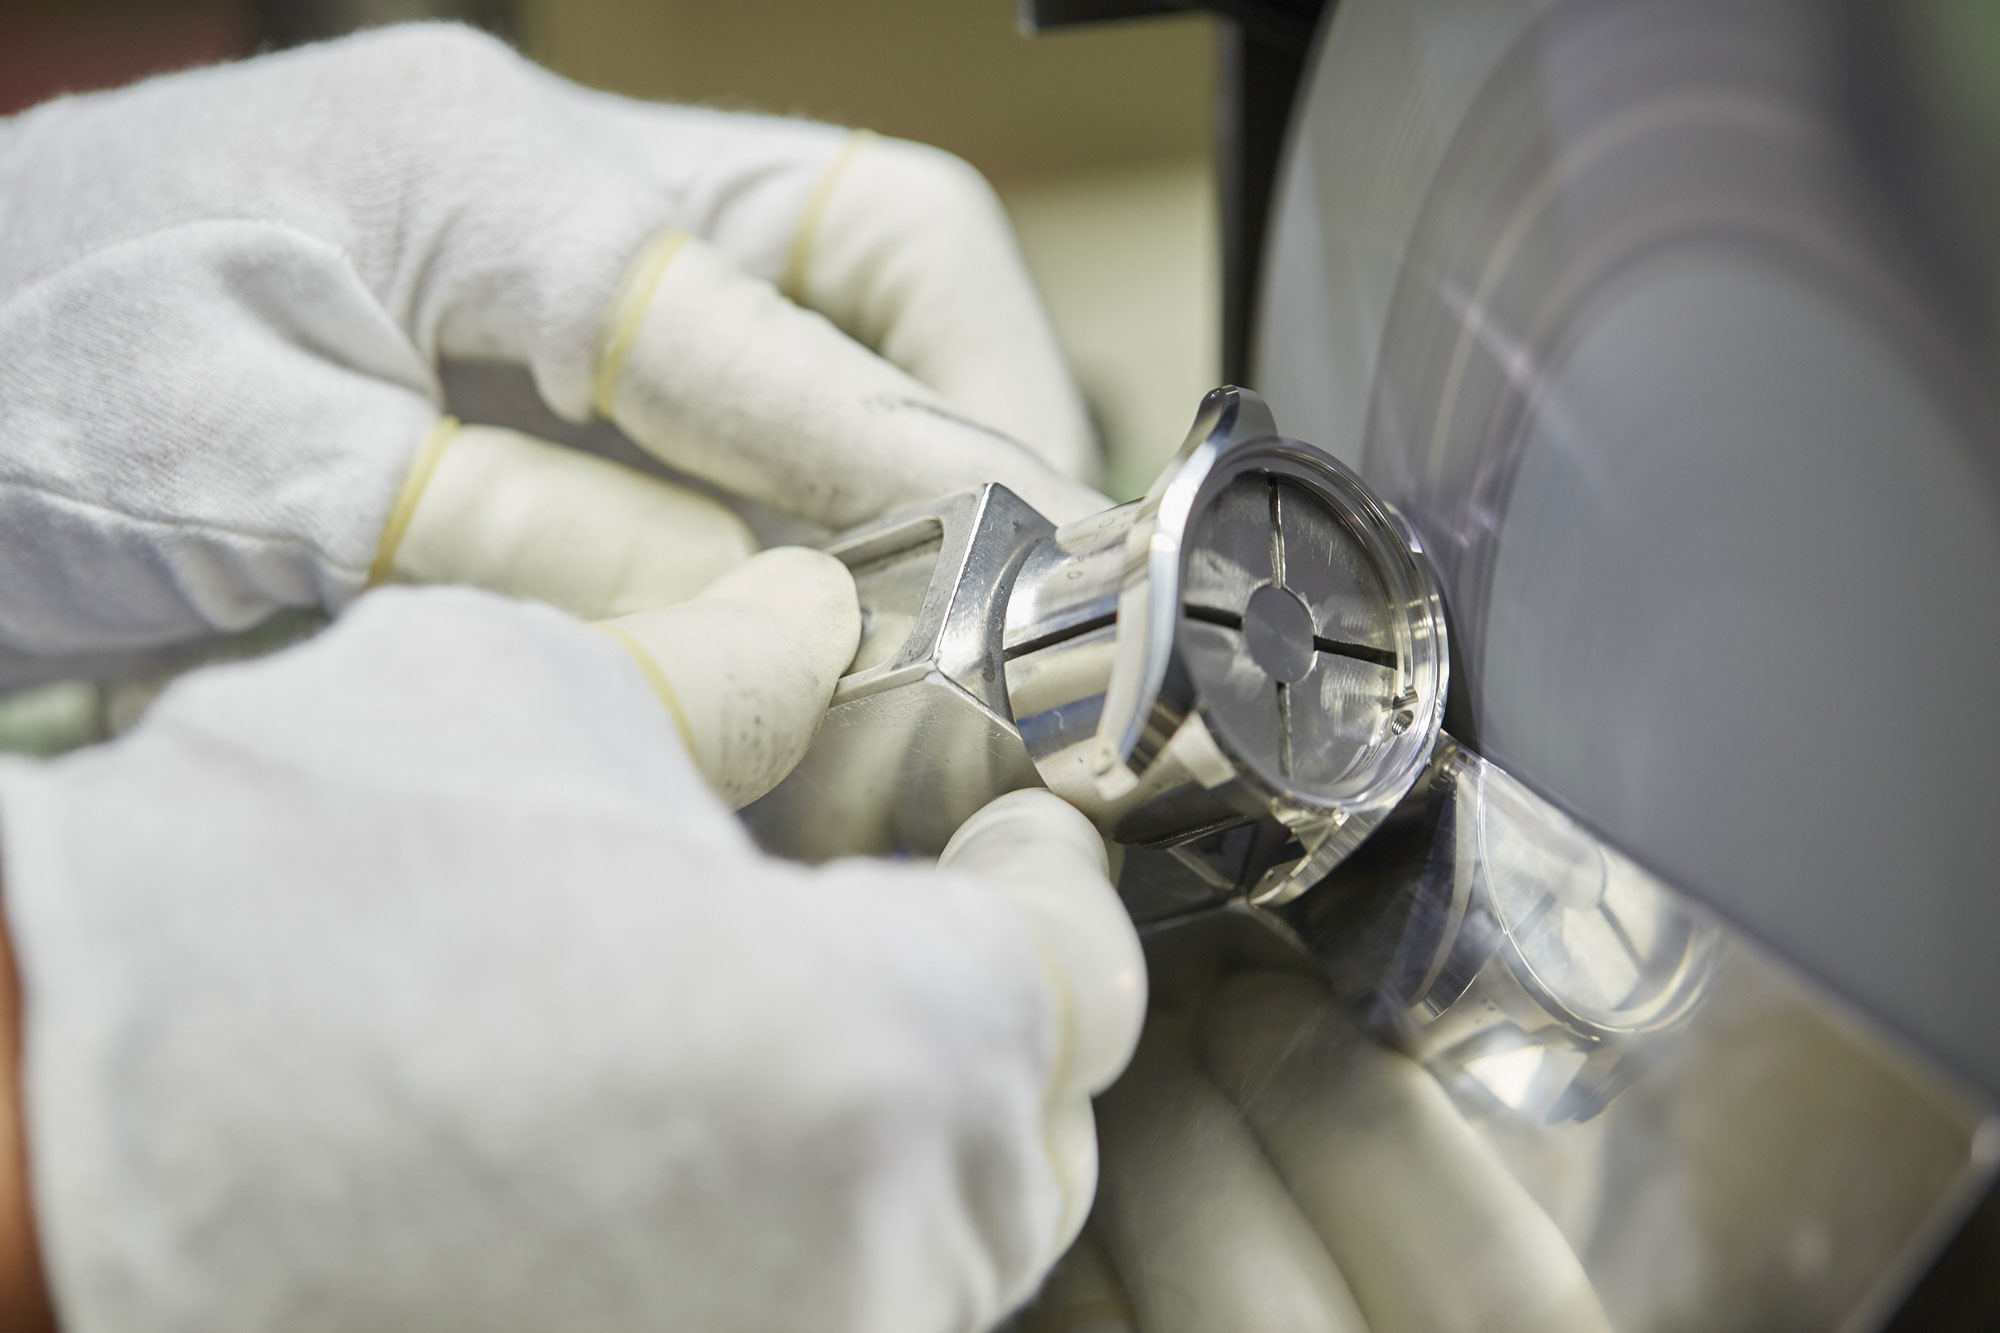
628	312
404	506
798	255
656	678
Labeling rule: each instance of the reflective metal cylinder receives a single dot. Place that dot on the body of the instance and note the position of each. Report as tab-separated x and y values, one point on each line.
1256	641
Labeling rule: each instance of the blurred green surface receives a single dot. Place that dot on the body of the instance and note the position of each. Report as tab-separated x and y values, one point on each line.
50	719
958	74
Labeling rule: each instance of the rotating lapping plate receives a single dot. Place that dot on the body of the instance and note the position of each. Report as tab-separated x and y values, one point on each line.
1656	322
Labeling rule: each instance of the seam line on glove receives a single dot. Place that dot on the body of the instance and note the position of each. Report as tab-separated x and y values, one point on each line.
628	309
657	679
404	507
1057	986
799	253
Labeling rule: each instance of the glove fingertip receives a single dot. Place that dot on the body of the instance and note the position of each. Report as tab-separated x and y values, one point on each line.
747	667
809	595
1030	817
1049	861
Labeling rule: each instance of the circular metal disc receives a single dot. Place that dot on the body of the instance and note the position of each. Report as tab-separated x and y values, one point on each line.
1289	633
1637	312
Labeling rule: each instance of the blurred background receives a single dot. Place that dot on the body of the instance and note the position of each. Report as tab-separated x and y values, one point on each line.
1099	139
1103	142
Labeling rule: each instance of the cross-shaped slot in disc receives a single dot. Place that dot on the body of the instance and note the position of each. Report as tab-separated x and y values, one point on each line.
1288	629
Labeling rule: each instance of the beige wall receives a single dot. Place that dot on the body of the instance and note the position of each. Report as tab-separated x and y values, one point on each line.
1126	257
1098	138
957	73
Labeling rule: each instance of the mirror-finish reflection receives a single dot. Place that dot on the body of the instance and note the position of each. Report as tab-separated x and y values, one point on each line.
1493	1075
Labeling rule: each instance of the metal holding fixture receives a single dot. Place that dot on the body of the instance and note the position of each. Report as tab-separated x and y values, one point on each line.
1240	677
1256	645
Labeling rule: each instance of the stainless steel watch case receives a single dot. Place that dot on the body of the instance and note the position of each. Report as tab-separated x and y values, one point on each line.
1240	676
1156	679
1121	659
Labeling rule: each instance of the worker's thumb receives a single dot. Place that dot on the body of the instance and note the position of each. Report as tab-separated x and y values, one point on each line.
747	667
1048	860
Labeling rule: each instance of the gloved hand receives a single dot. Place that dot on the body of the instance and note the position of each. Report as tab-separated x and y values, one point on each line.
224	296
1268	1168
411	979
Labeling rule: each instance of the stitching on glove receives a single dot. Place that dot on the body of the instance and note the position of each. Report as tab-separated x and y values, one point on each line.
407	495
799	253
657	679
628	308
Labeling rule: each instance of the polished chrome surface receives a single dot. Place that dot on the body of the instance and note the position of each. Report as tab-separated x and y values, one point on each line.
1491	1073
1517	928
1257	641
1293	634
919	733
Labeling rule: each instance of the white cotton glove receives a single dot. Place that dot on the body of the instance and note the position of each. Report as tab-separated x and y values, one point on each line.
224	296
411	979
1267	1168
